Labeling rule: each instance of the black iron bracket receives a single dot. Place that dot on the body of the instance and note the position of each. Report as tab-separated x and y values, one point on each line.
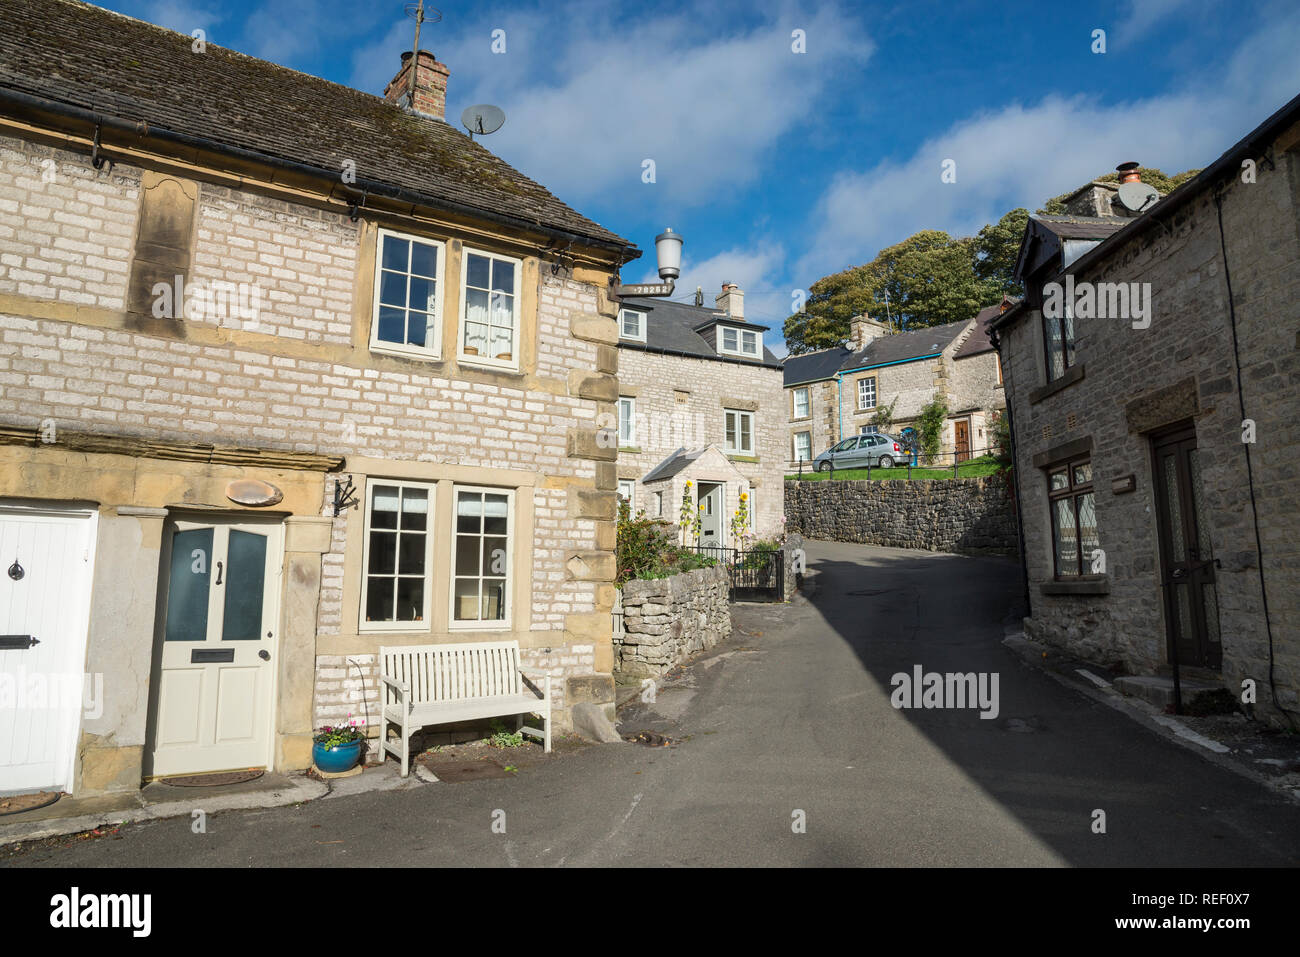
17	642
345	496
354	211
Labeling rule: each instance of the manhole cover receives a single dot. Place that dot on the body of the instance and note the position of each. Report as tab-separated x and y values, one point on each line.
651	739
467	771
213	780
17	803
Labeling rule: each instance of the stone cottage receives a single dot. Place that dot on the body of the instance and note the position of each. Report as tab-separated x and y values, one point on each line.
700	401
1151	376
290	371
835	394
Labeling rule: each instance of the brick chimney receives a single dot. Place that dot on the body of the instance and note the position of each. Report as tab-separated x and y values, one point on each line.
430	85
863	330
731	300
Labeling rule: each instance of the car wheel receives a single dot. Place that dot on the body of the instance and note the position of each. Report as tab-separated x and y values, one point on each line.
823	466
886	462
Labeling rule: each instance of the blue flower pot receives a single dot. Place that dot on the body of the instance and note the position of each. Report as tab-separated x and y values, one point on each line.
343	757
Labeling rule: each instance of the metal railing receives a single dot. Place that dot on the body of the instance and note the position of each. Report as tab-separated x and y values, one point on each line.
958	458
753	572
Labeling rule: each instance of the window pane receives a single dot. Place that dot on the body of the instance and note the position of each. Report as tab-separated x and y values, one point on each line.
465	604
423	294
494	556
495	512
467	554
410	558
415	509
1088	528
379	599
392	288
1055	350
383	553
392	325
477	271
746	437
410	599
1058	480
424	260
729	339
396	253
1067	546
187	586
245	581
417	328
1083	473
503	276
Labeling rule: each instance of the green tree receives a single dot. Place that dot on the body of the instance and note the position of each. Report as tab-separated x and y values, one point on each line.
926	280
997	246
1164	185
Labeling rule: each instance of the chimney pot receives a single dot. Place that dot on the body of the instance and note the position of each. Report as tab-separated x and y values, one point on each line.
1128	172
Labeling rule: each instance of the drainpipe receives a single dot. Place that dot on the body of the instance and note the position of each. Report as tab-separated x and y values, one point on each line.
839	406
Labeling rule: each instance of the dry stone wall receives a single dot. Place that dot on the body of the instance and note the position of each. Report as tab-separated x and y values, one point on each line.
665	620
971	516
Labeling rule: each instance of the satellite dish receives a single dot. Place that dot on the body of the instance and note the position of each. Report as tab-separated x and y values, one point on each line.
482	119
1138	196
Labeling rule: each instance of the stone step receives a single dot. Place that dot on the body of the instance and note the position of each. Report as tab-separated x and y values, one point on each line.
1159	689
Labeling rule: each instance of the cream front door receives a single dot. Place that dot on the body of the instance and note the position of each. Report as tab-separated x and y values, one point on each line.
213	670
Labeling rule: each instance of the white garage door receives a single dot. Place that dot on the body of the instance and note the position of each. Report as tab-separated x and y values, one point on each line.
45	573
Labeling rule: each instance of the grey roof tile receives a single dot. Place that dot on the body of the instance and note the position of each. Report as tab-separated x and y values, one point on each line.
83	56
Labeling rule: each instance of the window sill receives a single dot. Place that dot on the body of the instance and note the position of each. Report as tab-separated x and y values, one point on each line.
1067	379
737	457
1084	585
629	448
382	349
488	365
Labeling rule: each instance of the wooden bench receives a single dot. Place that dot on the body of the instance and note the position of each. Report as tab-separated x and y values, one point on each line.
439	684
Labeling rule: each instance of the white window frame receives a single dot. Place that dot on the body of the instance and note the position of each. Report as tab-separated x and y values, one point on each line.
869	430
430	532
505	623
641	325
482	360
874	395
807	402
628	402
628	485
401	348
808	457
739	413
742	336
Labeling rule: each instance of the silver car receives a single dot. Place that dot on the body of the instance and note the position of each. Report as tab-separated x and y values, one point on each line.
878	449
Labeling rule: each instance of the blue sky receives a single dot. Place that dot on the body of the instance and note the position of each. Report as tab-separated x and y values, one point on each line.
780	167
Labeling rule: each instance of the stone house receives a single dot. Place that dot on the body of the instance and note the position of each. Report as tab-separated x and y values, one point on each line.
700	401
833	394
290	372
1151	377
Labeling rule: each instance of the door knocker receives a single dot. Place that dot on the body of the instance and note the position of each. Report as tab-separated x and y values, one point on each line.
16	571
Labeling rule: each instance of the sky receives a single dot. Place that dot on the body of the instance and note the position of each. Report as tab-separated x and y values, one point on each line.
791	140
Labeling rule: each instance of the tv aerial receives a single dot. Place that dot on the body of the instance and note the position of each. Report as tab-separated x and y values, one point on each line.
482	119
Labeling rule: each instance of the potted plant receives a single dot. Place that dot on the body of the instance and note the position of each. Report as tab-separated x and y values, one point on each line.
336	749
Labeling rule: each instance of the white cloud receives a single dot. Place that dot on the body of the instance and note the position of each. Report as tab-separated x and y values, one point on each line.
586	106
1021	155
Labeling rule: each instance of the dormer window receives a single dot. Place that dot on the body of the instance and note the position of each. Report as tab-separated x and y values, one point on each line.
631	325
740	342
